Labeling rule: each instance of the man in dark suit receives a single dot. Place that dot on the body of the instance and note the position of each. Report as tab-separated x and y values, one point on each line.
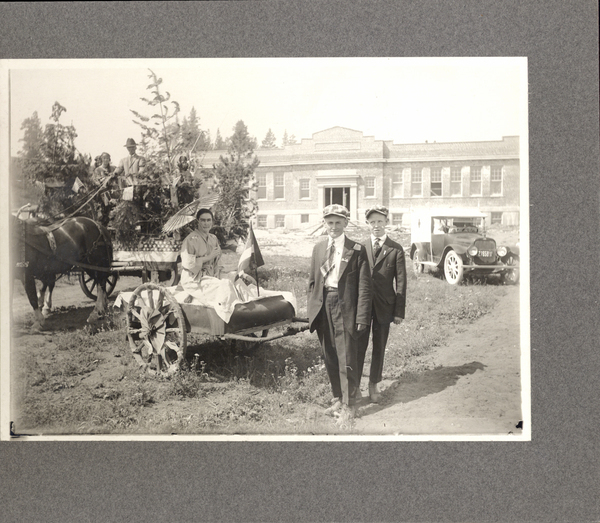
339	307
388	273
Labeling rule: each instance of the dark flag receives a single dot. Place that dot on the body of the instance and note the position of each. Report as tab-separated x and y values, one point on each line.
251	259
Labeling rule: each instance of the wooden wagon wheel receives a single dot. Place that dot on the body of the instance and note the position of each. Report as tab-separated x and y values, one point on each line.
88	284
156	329
168	277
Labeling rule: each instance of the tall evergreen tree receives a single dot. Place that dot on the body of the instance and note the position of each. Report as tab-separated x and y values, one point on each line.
193	138
269	141
288	140
32	137
219	142
233	177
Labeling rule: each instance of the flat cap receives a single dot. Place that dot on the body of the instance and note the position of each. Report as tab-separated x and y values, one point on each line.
377	208
337	210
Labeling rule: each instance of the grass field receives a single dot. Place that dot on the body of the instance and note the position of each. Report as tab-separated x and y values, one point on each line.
78	382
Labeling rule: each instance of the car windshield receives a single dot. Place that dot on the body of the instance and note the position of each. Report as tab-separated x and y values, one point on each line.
458	224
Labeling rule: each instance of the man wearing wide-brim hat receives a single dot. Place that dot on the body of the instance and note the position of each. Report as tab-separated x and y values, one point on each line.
339	307
130	167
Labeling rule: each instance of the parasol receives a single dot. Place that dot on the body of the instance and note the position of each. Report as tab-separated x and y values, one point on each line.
188	213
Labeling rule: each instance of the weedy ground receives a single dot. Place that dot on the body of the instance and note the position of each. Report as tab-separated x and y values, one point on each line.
75	381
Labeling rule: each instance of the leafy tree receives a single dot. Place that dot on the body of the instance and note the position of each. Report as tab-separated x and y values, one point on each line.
269	141
160	132
164	139
51	159
288	140
234	179
219	142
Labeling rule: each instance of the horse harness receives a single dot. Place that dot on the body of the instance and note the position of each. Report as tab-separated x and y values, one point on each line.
48	231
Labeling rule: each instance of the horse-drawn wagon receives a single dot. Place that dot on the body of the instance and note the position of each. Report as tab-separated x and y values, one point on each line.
153	258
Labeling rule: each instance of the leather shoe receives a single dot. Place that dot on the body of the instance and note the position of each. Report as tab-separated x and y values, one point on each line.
347	415
374	394
335	408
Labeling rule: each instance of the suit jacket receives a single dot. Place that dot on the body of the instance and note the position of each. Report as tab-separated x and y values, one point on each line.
130	167
388	273
354	286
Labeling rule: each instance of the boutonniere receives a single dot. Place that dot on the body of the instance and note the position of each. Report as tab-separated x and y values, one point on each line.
346	260
357	247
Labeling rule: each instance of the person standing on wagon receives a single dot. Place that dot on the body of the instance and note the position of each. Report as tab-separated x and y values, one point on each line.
131	167
388	274
339	307
200	251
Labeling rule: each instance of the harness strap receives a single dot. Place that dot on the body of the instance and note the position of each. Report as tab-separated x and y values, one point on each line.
66	260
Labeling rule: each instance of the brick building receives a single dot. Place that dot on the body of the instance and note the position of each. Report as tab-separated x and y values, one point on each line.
340	165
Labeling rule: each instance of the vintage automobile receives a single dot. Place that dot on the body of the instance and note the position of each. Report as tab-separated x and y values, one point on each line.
455	241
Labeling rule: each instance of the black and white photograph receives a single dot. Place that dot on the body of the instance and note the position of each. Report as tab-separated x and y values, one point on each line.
173	225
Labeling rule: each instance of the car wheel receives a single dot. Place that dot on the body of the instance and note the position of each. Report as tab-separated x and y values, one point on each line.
417	267
453	268
511	276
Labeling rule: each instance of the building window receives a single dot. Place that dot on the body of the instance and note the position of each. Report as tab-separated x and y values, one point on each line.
261	221
370	187
304	218
475	181
416	181
261	191
278	193
455	181
436	182
305	188
280	220
496	218
397	218
496	181
397	185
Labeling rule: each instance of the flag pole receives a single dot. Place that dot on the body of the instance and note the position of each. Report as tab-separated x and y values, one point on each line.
256	274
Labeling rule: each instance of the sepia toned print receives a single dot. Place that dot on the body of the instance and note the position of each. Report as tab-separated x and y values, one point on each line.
129	349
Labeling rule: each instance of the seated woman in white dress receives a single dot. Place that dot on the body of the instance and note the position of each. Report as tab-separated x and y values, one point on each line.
200	251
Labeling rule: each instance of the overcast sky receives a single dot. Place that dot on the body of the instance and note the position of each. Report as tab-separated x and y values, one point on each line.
404	100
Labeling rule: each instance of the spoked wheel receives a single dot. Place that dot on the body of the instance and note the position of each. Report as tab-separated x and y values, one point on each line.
511	277
453	268
156	329
88	284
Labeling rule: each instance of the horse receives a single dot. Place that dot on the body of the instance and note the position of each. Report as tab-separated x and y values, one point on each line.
43	252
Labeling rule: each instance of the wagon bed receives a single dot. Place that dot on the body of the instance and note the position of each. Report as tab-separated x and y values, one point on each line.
158	325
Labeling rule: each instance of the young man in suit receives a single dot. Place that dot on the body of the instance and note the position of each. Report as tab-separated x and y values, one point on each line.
339	307
388	274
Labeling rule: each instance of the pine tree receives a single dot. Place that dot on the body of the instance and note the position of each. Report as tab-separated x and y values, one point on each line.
193	138
288	140
233	176
269	141
219	142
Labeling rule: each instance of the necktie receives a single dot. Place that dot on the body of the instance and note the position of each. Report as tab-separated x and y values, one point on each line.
377	248
329	264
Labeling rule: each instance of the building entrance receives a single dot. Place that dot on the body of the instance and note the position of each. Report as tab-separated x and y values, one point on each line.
338	195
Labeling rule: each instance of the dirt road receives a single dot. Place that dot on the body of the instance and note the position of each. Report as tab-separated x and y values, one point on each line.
475	387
